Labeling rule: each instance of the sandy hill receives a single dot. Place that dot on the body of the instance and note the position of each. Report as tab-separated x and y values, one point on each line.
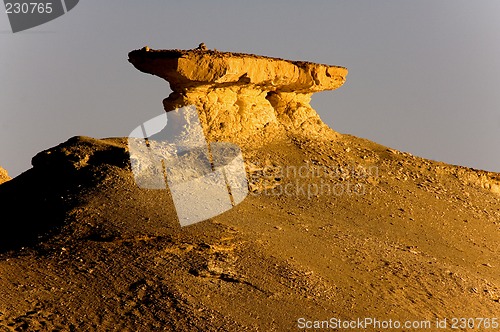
334	226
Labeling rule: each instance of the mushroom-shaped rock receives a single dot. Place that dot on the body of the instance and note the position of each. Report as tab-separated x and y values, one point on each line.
243	98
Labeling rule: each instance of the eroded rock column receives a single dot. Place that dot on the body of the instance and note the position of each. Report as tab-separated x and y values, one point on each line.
235	113
243	98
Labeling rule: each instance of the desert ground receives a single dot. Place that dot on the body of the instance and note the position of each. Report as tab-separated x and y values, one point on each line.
88	250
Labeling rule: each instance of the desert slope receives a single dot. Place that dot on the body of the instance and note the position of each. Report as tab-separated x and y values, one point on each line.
419	243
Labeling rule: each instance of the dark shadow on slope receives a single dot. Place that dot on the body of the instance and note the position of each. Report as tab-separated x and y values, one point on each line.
82	189
34	204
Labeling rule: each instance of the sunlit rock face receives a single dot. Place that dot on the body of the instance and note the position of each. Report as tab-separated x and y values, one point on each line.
243	98
4	177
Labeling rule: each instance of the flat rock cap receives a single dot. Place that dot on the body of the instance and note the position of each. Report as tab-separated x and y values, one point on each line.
188	69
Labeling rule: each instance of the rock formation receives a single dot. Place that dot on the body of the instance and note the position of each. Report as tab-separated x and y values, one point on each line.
4	177
242	97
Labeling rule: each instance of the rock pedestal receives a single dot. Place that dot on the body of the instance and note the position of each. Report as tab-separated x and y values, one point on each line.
243	98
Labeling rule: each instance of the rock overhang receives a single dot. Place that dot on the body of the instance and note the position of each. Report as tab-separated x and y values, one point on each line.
247	99
187	69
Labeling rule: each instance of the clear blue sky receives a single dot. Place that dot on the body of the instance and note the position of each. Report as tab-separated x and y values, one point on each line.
424	76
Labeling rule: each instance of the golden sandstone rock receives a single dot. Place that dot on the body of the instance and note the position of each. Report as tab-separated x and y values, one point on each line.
4	177
243	98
